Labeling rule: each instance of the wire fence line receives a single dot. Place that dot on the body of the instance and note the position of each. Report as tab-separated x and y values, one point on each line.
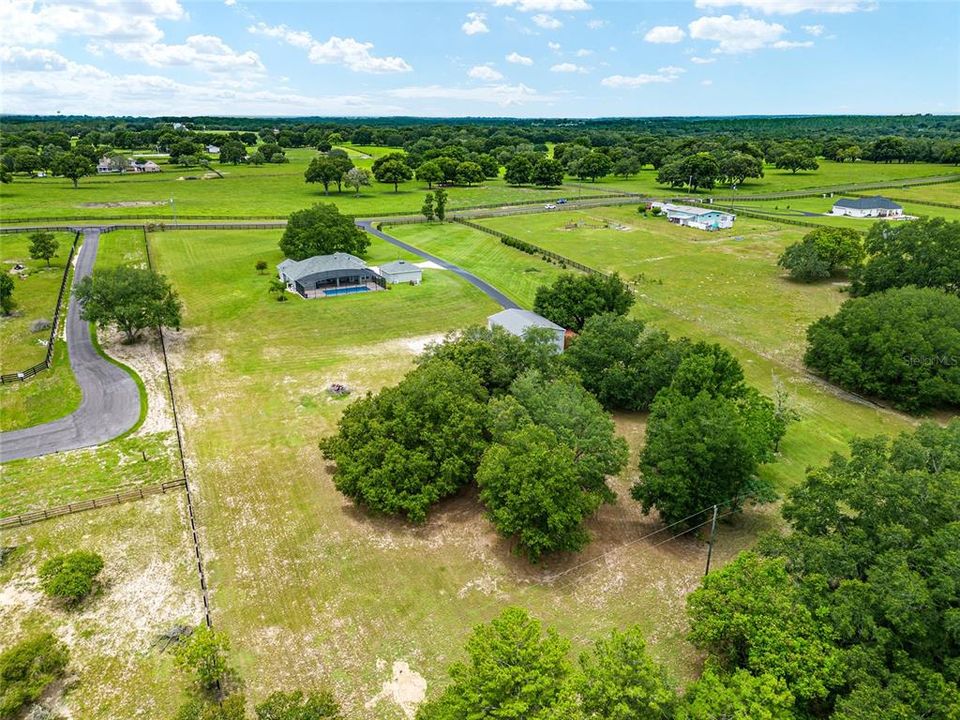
117	498
54	324
198	555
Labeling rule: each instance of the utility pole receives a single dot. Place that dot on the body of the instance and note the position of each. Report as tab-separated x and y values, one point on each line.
713	535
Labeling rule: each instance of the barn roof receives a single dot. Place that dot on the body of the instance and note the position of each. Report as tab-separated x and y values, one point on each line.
296	269
517	321
877	202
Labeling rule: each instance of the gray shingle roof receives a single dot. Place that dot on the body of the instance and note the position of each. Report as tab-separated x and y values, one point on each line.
868	203
398	266
516	321
296	269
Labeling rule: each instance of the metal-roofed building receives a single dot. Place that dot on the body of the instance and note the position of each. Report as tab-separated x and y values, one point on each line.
328	275
518	322
401	271
876	206
702	218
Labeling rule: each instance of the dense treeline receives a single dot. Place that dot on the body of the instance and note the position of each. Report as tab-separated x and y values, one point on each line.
850	613
698	152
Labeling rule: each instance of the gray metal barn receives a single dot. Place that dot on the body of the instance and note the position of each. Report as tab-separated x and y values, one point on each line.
329	275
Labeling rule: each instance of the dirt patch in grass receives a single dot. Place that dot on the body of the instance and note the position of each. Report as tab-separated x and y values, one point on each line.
122	204
144	357
406	688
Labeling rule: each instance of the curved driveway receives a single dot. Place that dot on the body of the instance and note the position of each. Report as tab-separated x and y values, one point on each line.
487	288
111	400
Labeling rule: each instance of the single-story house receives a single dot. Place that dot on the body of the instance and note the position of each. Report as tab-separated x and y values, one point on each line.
702	218
328	275
401	271
143	166
108	165
865	207
213	149
518	322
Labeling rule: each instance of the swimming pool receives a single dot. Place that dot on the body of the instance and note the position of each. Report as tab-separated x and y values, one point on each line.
345	291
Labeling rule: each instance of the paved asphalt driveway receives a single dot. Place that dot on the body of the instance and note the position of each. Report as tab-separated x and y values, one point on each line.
487	288
111	401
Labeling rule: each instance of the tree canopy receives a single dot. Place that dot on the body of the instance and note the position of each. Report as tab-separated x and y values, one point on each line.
823	253
70	577
902	345
43	246
321	230
924	253
402	450
514	671
130	298
26	669
571	299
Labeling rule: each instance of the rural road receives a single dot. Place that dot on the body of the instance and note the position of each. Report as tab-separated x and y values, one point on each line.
487	288
111	400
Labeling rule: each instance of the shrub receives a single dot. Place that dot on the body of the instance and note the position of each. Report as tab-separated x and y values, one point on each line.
70	577
822	253
27	668
204	654
902	345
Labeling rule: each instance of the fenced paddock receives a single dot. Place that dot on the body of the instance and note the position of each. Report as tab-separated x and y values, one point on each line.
139	493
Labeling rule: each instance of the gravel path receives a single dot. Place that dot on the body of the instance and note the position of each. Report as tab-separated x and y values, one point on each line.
111	401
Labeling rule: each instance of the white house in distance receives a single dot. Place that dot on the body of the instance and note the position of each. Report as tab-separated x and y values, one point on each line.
401	271
518	322
701	218
867	207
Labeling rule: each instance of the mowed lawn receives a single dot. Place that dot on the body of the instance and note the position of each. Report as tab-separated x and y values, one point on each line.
149	584
815	210
723	287
311	589
52	393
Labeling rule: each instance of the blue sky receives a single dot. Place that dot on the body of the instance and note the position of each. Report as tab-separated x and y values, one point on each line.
527	58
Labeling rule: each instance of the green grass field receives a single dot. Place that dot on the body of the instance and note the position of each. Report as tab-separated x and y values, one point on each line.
310	588
829	174
814	209
277	190
148	585
724	287
35	294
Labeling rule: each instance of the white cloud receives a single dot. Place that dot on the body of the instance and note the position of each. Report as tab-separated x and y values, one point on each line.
44	81
502	95
791	7
667	74
475	24
229	3
665	34
702	61
583	52
815	30
706	83
736	35
202	52
596	24
555	46
518	59
545	5
485	73
567	67
791	44
33	23
351	53
547	22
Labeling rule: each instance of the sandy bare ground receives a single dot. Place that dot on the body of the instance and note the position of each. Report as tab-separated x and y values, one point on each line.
405	687
146	359
123	204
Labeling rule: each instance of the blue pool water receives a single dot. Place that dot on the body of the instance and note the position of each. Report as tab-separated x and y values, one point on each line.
345	291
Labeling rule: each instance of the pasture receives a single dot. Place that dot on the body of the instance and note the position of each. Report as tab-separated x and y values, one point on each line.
312	589
722	287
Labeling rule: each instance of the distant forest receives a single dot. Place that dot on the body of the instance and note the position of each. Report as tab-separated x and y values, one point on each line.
692	152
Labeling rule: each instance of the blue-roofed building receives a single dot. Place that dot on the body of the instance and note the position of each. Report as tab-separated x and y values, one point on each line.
702	218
